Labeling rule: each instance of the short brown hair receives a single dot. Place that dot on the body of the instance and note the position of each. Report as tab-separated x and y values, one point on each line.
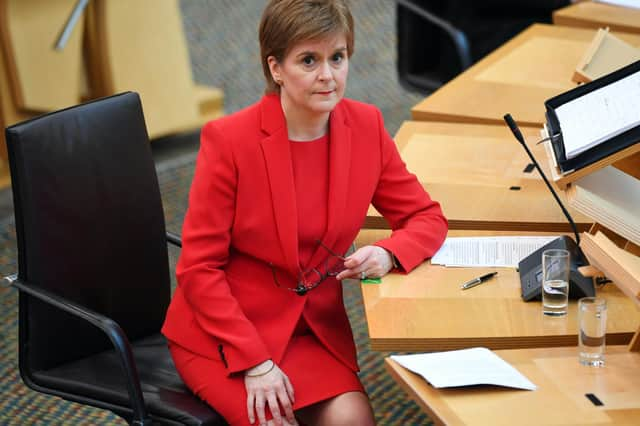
287	22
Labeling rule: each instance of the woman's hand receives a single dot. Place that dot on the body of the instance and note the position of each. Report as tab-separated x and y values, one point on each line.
373	261
266	385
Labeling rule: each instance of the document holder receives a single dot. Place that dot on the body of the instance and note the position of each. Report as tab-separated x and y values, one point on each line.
602	150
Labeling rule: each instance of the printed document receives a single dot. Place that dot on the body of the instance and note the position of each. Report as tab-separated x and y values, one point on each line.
487	251
600	115
466	367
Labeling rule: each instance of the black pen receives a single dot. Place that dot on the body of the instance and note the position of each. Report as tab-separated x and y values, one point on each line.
474	282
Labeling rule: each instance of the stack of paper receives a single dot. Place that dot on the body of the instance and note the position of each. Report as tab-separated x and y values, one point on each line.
598	116
466	367
610	197
487	251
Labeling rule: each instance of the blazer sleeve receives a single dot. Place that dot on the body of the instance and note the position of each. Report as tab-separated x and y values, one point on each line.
205	251
417	222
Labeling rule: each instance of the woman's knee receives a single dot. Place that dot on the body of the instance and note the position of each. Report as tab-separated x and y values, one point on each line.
347	409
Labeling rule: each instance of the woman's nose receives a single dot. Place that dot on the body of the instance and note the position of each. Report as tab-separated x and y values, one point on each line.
324	73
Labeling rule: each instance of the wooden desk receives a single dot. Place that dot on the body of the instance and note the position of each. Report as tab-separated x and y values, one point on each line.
41	79
141	46
598	15
427	311
476	172
516	78
560	397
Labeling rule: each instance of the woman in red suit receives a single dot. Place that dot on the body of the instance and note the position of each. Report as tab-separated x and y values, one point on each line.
257	326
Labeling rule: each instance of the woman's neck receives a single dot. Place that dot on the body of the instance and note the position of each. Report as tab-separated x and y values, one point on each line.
304	126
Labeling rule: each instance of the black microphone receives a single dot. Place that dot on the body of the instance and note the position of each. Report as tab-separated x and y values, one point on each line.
516	132
530	268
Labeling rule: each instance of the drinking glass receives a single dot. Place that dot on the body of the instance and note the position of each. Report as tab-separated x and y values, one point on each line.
555	282
592	322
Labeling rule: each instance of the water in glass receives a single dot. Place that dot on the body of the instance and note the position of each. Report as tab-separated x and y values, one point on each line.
555	297
592	317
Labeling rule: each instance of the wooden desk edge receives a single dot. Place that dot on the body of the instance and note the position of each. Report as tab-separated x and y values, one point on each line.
431	399
493	343
378	222
414	395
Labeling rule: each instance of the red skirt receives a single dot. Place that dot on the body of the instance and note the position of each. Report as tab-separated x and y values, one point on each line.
315	374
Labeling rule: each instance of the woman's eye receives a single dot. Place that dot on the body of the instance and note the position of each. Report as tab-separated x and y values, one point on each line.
308	60
337	58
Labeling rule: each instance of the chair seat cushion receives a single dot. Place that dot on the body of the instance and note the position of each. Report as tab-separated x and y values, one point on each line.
166	398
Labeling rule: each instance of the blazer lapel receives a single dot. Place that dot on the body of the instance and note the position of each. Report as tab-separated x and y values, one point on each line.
339	169
277	155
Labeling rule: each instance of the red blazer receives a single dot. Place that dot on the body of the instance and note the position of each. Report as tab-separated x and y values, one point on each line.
242	217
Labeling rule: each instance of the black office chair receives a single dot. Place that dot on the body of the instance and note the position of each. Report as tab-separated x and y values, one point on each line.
438	39
431	49
93	267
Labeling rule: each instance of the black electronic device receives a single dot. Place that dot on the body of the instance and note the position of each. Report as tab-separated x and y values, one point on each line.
530	268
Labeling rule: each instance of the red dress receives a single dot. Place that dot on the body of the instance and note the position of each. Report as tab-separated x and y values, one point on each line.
314	372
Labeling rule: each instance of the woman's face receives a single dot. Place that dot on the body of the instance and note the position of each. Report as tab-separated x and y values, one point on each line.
313	74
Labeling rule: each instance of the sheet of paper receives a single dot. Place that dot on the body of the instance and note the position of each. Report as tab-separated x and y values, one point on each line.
466	367
600	115
487	251
635	4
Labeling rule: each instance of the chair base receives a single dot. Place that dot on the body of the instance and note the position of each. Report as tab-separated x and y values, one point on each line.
167	399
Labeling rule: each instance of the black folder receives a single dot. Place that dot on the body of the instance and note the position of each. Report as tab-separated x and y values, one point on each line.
605	148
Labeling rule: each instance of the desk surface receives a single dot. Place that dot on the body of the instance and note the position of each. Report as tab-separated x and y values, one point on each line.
426	310
516	78
477	173
560	397
598	15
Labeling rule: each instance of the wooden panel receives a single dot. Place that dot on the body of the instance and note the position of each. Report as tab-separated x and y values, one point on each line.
41	78
516	78
634	345
5	178
560	398
598	15
477	174
209	101
426	311
626	160
605	54
141	47
617	264
9	114
630	165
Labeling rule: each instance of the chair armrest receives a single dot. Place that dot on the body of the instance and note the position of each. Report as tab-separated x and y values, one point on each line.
110	327
174	239
458	37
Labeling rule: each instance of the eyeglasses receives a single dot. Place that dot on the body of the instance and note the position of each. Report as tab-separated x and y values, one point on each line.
312	277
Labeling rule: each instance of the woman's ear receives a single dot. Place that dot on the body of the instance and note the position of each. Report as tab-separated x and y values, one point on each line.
274	67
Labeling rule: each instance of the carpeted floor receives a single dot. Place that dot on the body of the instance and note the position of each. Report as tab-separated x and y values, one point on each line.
223	48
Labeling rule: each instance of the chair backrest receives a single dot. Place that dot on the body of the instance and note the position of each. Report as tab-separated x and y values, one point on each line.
427	54
90	227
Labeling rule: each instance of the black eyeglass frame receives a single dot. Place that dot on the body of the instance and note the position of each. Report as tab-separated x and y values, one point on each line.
303	286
